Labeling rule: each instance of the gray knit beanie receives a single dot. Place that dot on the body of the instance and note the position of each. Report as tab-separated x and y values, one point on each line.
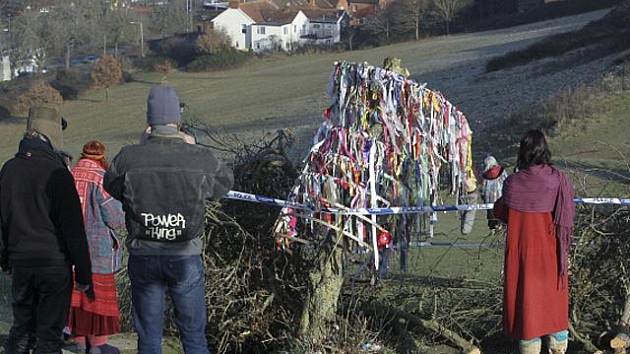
163	106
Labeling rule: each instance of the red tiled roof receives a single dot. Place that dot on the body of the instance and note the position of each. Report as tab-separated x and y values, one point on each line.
331	15
319	4
259	10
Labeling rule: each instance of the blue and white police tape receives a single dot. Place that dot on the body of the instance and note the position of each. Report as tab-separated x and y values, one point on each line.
254	198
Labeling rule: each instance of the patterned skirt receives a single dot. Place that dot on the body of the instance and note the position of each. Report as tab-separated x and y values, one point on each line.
98	317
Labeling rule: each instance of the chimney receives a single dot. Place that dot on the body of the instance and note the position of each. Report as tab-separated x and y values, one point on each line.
312	3
234	4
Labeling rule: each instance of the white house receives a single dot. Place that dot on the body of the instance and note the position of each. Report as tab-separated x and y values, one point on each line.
236	21
325	26
283	31
261	25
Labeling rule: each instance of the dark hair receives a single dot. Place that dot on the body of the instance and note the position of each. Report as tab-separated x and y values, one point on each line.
533	150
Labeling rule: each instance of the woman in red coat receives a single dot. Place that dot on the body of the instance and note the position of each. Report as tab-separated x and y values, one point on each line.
537	205
91	321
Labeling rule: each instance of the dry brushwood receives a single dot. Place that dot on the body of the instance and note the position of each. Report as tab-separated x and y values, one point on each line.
598	294
255	293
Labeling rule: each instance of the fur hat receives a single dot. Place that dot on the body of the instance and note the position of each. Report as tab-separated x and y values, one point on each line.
47	121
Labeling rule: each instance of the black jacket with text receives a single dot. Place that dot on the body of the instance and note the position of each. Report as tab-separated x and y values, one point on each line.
163	185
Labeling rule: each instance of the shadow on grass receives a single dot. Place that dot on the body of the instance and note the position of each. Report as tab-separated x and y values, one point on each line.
13	121
89	100
146	82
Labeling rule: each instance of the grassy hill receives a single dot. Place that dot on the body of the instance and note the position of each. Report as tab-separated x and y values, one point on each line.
289	91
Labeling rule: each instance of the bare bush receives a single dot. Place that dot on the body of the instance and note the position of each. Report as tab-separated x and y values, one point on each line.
107	72
212	42
38	94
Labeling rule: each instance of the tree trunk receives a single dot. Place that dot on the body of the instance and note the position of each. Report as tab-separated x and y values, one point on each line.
417	28
68	56
350	40
107	94
387	31
104	45
324	289
116	49
448	27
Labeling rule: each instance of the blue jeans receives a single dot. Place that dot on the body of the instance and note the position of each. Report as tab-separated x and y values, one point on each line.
183	277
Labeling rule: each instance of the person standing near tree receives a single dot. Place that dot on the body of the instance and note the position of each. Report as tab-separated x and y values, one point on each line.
493	177
91	321
42	236
163	185
538	207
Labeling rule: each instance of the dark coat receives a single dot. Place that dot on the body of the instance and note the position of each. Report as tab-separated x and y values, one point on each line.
40	212
164	185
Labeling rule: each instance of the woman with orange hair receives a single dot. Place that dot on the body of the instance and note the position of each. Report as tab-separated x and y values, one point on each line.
91	321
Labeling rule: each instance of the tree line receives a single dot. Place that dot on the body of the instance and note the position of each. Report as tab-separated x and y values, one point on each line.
40	31
414	17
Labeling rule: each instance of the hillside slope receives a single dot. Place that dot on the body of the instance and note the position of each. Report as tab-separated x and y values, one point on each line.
281	92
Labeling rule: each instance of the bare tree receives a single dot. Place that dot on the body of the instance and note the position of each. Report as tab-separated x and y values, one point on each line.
413	14
383	23
447	10
117	27
71	25
170	19
26	38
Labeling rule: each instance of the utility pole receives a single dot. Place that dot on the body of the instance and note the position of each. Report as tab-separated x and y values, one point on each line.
141	36
189	12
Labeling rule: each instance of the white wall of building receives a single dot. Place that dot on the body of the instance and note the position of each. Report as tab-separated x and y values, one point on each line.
286	37
237	25
5	68
246	34
328	33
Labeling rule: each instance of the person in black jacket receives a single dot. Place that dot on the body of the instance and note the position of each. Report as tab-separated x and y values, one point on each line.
42	236
164	184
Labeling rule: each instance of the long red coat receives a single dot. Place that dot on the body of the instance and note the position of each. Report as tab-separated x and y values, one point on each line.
534	302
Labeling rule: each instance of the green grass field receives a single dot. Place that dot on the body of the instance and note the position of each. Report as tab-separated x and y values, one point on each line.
292	87
597	149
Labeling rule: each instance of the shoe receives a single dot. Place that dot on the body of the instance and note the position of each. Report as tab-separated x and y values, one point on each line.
530	347
104	349
557	346
75	348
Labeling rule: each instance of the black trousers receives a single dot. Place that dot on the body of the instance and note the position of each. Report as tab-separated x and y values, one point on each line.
41	301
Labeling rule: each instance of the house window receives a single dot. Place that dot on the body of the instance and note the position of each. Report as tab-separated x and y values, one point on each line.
236	44
244	29
262	30
257	45
316	25
294	28
286	30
